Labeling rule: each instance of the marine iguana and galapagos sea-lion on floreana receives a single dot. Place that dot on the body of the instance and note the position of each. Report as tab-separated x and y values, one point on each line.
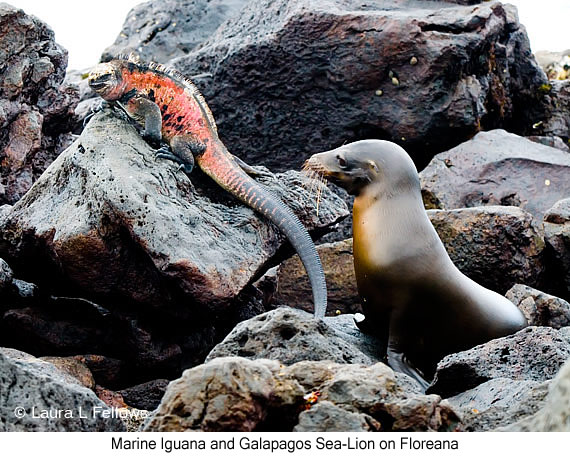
419	305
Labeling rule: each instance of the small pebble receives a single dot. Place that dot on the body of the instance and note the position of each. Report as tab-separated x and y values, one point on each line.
379	92
413	61
395	81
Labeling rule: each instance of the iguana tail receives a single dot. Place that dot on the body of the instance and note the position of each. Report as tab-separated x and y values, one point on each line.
221	167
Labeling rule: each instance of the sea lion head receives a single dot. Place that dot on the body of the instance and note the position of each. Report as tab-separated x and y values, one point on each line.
361	165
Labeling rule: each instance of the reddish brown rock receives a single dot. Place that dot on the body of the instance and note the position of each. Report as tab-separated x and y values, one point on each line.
111	398
294	290
237	394
540	309
73	367
495	246
36	108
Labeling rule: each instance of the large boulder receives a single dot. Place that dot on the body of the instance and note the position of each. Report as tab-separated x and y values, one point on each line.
120	222
533	353
497	168
161	262
301	76
237	394
160	30
36	396
36	109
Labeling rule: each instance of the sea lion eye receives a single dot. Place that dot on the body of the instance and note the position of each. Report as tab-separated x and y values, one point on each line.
341	161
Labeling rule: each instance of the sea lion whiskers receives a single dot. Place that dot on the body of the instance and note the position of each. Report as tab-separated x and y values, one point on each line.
315	181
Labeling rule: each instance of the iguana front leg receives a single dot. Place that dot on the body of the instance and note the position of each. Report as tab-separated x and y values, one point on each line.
182	148
147	114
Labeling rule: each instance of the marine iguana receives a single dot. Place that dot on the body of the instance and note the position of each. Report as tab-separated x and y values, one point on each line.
174	115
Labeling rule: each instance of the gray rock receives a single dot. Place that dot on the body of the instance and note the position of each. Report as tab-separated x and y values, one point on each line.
534	353
6	276
328	417
540	309
495	246
160	30
346	328
24	289
40	389
498	402
557	236
145	396
240	394
497	168
559	213
45	366
554	416
276	84
12	353
556	122
36	108
550	141
289	336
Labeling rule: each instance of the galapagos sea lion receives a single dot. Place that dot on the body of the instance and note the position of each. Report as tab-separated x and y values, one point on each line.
413	297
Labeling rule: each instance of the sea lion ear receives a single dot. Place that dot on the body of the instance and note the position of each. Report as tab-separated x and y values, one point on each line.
372	165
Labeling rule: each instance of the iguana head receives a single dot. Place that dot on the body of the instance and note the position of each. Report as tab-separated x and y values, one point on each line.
106	80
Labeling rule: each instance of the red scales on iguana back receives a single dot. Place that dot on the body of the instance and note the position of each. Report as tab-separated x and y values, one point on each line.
174	115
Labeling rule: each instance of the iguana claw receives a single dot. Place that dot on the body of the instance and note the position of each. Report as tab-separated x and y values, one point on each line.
167	155
94	110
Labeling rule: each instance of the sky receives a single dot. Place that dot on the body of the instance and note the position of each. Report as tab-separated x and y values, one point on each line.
85	29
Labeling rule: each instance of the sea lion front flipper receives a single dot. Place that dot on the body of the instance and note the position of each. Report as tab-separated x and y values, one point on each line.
364	324
399	363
